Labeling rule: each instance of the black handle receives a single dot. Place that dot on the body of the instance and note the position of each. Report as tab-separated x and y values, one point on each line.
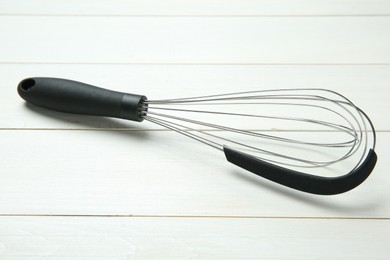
79	98
302	181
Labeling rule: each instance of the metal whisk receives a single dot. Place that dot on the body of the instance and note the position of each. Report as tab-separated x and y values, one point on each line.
313	129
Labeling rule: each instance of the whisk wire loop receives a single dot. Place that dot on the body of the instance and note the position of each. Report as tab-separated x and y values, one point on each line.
351	121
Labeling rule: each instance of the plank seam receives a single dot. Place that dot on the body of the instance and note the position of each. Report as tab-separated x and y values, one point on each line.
195	63
197	16
191	216
168	130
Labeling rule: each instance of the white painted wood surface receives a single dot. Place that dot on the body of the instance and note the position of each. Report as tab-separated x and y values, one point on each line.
199	40
120	173
91	188
191	238
195	7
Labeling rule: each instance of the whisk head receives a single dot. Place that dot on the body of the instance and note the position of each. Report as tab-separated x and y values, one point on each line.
305	129
312	129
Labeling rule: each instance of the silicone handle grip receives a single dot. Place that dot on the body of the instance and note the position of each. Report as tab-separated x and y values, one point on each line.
79	98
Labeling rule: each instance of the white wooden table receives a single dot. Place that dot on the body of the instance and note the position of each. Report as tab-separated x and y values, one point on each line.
76	187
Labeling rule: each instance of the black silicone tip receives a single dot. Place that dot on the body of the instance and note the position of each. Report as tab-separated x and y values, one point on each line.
302	181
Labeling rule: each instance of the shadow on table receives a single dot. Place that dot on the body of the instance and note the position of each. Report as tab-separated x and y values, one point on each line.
94	123
333	203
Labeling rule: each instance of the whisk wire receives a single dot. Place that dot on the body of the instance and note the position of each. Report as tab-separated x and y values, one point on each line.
351	125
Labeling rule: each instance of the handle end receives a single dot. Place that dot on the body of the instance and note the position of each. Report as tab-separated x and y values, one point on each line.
26	84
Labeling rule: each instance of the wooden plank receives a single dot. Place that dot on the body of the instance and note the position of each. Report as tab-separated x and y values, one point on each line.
253	40
195	7
192	238
367	86
158	173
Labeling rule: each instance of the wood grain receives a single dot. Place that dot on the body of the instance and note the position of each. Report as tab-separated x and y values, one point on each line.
297	40
195	7
191	238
